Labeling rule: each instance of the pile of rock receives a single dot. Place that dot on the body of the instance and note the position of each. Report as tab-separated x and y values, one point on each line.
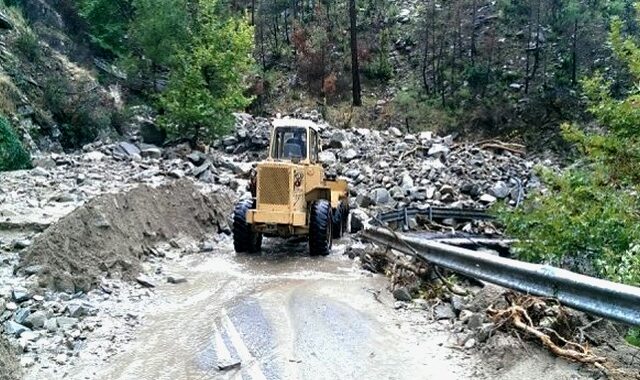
391	169
249	134
50	328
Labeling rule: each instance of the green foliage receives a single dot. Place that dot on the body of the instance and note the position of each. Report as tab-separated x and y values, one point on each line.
207	83
420	113
633	337
27	44
160	33
582	224
589	220
108	22
380	68
13	156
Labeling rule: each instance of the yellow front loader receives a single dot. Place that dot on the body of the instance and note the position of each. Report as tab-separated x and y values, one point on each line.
292	195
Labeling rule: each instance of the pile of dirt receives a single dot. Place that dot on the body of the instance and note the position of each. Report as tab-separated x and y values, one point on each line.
9	368
111	234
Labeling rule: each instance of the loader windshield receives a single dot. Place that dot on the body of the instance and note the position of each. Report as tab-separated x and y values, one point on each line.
289	143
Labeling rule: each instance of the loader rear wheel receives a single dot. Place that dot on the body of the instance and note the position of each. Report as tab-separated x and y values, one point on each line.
244	238
320	223
340	220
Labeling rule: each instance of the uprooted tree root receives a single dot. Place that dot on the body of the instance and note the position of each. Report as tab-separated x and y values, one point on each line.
525	313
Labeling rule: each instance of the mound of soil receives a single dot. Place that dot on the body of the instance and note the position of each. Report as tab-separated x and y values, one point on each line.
9	368
111	233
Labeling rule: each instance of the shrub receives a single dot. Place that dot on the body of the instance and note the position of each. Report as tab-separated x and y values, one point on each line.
419	113
13	156
27	44
581	225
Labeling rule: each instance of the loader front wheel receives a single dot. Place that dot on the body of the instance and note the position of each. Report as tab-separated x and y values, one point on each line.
245	240
320	223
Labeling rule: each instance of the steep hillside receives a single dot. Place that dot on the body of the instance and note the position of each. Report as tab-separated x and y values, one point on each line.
48	82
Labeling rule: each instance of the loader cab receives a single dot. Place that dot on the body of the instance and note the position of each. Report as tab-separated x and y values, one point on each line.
295	141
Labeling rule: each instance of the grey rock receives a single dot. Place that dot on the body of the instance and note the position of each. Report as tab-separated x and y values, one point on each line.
151	152
447	189
432	164
402	294
145	281
21	244
200	170
395	132
207	246
457	302
93	156
380	196
51	325
339	140
425	136
229	141
500	190
444	311
327	157
484	332
470	343
20	295
14	328
21	315
438	150
176	279
66	323
78	309
127	149
487	198
36	320
196	157
406	182
40	172
475	321
348	155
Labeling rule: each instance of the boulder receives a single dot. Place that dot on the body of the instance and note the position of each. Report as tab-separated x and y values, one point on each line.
500	190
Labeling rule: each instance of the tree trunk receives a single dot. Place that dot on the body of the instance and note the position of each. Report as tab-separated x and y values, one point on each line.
355	67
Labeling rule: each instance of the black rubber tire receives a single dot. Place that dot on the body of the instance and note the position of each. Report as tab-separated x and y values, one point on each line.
337	222
245	240
320	223
340	220
345	217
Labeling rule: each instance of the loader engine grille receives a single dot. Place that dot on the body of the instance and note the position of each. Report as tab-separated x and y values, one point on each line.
274	185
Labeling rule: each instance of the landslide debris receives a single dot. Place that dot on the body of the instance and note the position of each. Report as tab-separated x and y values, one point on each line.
9	369
113	232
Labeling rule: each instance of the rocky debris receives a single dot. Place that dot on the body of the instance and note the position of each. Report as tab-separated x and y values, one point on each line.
402	294
176	279
391	169
143	216
145	281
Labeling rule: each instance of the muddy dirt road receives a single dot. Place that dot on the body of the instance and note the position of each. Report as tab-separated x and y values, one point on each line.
280	316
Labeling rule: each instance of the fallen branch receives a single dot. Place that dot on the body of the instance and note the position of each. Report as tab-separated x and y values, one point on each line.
518	317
